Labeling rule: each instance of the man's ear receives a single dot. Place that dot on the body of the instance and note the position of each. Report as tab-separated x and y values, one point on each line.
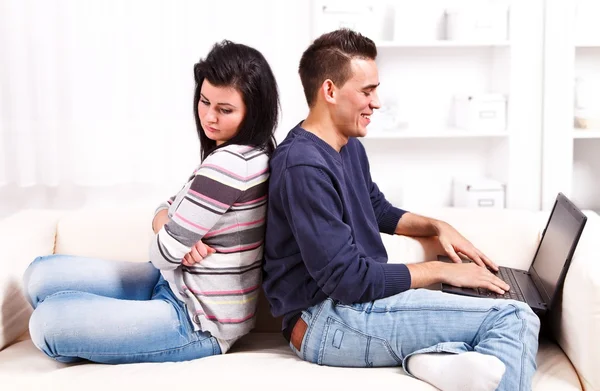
329	91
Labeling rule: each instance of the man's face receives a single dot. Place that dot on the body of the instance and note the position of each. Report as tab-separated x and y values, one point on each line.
357	99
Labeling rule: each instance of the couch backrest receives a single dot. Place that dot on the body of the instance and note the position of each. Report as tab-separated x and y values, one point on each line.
508	236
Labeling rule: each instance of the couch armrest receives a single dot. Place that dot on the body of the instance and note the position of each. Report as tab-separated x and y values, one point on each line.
23	236
577	320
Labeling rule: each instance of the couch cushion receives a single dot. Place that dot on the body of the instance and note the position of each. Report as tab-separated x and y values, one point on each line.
103	234
260	361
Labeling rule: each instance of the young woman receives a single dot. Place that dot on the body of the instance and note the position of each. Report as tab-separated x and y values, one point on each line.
198	293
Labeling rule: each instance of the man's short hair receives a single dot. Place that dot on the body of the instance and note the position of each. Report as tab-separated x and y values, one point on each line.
329	56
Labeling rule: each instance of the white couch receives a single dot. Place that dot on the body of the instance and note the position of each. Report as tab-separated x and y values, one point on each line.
262	360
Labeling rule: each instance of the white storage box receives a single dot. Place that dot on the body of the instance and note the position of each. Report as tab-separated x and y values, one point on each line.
418	22
587	102
367	19
485	22
478	193
480	112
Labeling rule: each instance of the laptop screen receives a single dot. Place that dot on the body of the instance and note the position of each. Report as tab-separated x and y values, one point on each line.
557	245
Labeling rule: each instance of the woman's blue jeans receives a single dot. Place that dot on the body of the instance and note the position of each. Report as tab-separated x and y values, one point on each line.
109	312
387	332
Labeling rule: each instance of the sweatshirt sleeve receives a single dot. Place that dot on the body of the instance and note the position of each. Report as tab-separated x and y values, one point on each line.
387	215
315	212
217	184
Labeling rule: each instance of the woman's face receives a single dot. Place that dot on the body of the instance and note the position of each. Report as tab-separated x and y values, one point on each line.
221	111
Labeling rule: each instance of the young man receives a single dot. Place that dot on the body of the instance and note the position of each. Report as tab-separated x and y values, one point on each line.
326	268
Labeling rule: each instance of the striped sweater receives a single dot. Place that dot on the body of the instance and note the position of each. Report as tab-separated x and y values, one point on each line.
224	205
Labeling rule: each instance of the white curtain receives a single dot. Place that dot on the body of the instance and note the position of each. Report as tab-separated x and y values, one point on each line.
98	93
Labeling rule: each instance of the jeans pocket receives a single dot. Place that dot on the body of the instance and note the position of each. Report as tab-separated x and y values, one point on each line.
344	346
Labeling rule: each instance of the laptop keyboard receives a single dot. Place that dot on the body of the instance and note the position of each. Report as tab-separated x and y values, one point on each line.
514	292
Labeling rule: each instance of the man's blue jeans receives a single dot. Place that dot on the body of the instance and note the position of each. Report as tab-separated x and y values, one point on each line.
387	332
109	312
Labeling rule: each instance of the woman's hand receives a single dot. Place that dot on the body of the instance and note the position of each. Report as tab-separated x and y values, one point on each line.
198	252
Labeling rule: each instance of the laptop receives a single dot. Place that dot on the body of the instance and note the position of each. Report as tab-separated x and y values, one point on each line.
540	286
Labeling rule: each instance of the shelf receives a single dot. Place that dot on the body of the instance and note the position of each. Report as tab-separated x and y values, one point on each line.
441	134
441	44
587	44
586	133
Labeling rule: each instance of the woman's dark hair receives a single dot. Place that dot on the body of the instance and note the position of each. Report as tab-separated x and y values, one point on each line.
230	64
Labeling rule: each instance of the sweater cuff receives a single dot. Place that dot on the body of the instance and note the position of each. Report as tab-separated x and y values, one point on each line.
389	221
164	205
397	278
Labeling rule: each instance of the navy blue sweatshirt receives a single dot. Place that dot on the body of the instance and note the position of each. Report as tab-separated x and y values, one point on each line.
322	232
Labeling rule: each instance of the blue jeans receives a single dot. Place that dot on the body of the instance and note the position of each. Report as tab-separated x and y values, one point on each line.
387	332
109	312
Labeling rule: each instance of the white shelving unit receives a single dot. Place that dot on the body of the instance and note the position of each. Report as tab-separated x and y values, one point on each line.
417	164
589	43
586	133
571	160
421	71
